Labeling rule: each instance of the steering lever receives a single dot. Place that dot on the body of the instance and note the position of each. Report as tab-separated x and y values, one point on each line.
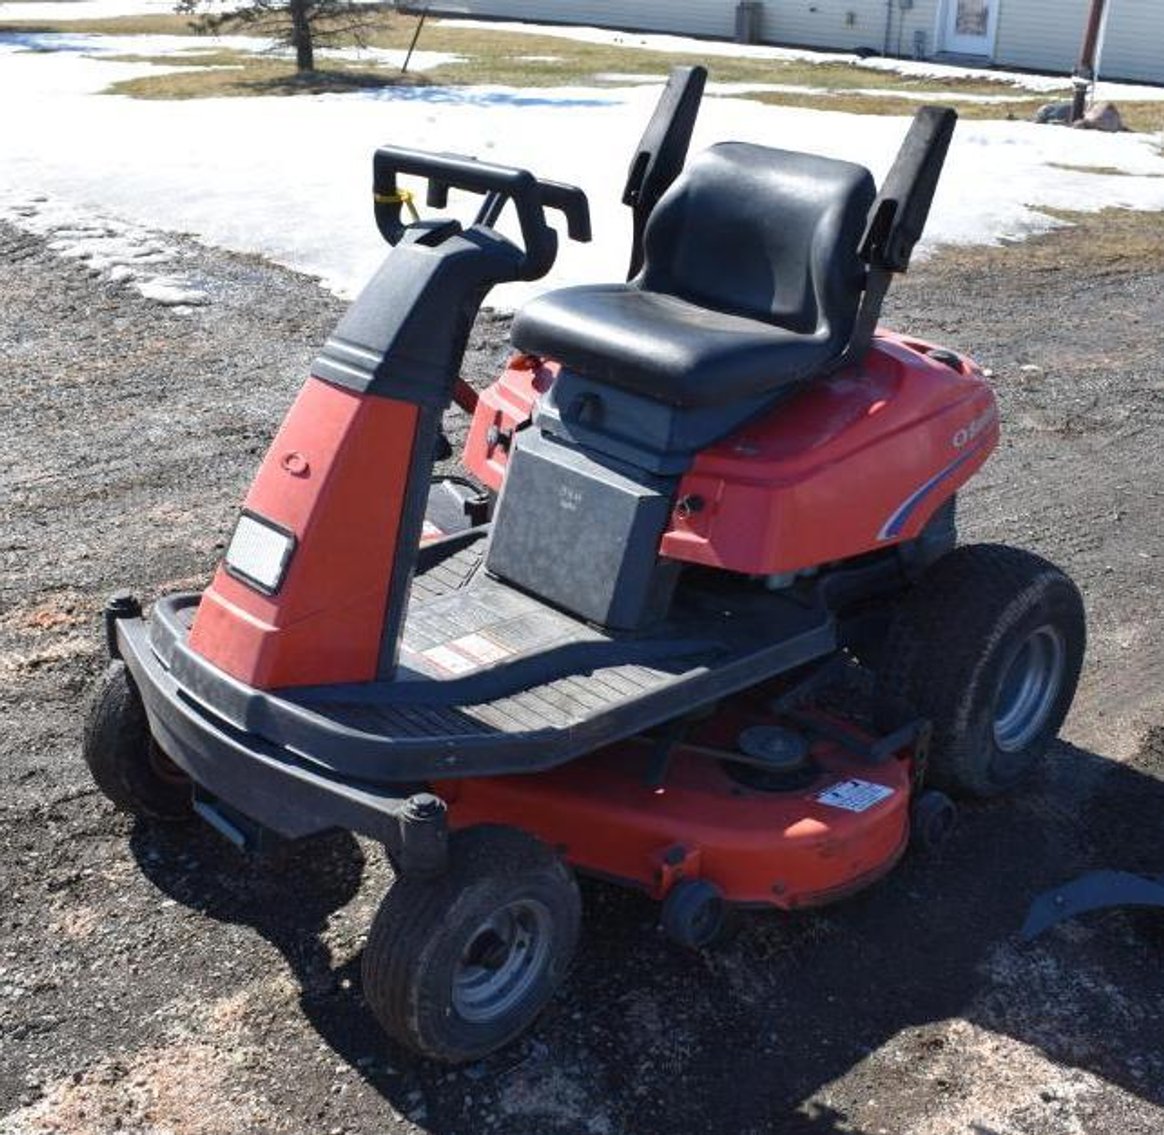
501	184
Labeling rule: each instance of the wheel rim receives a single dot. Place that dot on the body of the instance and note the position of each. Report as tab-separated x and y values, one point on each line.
706	920
1029	688
503	959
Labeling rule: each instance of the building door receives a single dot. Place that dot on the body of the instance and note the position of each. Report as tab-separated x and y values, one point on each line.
970	26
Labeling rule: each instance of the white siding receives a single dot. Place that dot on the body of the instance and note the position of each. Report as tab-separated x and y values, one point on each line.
1133	44
847	25
1047	35
1037	34
1041	34
679	17
838	25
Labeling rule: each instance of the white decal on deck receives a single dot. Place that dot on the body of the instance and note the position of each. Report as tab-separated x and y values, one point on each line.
854	795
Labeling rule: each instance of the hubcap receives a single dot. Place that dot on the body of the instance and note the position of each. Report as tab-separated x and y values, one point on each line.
1028	690
502	961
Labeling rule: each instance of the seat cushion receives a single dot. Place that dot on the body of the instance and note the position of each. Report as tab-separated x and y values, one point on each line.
767	234
751	282
665	347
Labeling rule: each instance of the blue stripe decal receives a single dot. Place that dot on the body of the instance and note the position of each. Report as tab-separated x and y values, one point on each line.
893	526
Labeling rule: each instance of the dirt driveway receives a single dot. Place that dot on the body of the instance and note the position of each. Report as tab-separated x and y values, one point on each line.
155	981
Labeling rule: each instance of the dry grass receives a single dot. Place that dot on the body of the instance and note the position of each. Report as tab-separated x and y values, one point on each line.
225	74
1100	243
1143	117
903	103
210	56
1111	239
1105	171
114	25
503	58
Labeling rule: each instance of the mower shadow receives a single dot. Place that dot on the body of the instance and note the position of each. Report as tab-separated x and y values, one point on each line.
287	895
648	1039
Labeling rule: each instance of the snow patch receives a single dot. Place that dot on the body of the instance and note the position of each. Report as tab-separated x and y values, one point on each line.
183	47
387	56
172	291
97	9
114	250
289	178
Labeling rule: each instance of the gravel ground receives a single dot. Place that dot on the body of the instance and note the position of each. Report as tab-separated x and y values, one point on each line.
154	981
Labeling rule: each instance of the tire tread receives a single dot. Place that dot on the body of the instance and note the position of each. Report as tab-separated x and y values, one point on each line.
980	589
115	747
414	912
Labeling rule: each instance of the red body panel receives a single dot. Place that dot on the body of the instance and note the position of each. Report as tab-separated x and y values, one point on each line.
335	476
783	849
501	408
856	461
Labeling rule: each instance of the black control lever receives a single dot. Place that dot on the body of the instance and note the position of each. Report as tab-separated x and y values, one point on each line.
567	199
530	198
571	202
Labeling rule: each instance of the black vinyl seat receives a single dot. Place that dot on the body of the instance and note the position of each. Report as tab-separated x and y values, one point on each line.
751	281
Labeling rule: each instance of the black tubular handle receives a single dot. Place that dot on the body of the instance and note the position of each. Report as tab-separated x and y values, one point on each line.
571	202
569	199
444	171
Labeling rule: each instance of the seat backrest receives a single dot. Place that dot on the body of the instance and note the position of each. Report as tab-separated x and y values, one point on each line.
768	234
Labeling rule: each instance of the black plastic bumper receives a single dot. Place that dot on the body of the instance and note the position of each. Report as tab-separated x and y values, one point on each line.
264	782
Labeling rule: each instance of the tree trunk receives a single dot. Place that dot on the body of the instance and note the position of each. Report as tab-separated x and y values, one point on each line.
301	36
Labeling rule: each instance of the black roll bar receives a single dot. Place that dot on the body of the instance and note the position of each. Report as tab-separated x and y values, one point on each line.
662	151
899	214
898	217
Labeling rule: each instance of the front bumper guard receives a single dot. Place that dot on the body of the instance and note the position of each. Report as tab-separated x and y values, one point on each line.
266	783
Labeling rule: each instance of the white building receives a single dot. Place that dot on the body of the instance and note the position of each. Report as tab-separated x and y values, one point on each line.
1027	34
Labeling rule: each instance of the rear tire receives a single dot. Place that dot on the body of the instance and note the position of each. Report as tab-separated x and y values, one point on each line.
987	646
456	967
123	758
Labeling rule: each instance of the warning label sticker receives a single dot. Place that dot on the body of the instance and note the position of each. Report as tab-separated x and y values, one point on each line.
854	795
449	660
481	649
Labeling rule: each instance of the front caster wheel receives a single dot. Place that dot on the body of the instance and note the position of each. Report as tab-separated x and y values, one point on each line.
694	914
987	646
458	966
123	758
932	818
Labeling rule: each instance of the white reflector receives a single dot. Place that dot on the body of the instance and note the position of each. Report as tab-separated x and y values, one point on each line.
259	553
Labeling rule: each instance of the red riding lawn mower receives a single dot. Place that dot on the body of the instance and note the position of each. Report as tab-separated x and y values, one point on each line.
703	494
